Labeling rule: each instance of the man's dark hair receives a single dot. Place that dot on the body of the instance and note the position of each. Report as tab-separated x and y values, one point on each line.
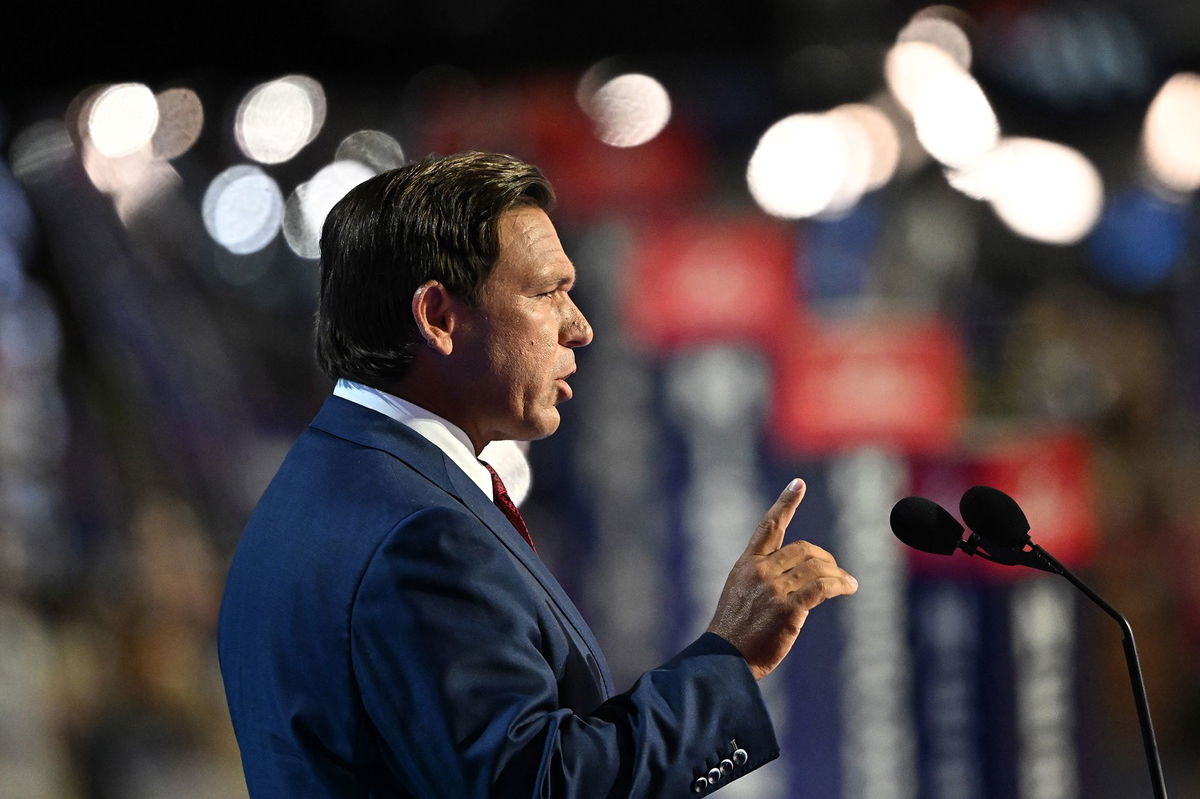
435	219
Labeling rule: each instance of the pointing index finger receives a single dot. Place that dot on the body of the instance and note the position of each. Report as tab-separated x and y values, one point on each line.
768	536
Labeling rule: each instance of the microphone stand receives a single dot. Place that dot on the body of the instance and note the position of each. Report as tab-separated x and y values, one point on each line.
1039	558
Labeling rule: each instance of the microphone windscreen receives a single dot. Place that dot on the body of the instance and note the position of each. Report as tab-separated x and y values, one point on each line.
925	525
994	516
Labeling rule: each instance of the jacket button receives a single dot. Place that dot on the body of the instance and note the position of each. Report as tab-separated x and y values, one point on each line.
714	775
699	785
726	766
740	757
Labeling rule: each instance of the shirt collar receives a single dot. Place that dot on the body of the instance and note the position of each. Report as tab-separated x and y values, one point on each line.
446	436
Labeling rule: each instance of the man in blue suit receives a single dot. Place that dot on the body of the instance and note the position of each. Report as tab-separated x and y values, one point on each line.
388	628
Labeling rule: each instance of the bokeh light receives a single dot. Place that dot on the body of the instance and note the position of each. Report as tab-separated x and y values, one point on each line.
937	26
374	148
954	121
799	166
859	156
243	209
122	118
277	119
1140	240
510	461
882	138
134	181
1171	136
910	66
311	202
592	79
180	120
629	110
1042	190
12	276
30	335
40	148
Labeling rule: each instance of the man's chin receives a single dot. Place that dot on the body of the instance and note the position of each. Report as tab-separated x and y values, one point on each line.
533	429
547	425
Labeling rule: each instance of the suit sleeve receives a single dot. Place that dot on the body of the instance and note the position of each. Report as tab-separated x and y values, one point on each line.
448	651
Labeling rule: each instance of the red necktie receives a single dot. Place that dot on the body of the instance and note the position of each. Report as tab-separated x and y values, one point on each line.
507	506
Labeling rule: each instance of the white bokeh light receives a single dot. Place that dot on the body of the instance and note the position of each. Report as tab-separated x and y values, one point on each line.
859	157
279	118
954	121
1171	136
1042	190
311	202
136	182
373	148
180	120
910	66
121	119
940	32
592	79
509	460
629	110
882	137
243	209
799	166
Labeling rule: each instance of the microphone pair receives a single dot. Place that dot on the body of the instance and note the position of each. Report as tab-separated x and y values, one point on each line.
999	531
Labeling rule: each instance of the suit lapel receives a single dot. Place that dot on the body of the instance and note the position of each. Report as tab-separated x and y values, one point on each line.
348	420
487	512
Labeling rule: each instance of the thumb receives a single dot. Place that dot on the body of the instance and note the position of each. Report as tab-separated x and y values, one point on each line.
768	535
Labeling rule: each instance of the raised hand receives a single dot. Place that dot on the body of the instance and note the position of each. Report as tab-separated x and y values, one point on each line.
772	587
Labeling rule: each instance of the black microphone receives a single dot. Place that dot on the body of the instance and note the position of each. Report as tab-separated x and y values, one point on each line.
925	525
995	517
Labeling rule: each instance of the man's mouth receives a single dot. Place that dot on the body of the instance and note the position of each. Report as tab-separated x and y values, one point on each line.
564	386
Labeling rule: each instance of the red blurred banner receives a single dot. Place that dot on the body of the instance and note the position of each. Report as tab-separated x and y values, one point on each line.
882	380
710	280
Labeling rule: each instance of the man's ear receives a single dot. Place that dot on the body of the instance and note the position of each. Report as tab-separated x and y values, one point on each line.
436	311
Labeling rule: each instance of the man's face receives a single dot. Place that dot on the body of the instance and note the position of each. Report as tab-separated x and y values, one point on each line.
518	344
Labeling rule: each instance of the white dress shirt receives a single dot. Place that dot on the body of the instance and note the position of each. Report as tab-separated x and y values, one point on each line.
447	437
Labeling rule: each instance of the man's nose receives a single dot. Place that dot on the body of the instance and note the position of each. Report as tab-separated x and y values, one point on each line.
576	332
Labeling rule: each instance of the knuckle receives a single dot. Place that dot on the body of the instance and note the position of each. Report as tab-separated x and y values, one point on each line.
822	589
813	591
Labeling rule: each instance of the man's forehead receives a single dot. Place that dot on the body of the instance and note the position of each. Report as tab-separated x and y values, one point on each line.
529	223
529	231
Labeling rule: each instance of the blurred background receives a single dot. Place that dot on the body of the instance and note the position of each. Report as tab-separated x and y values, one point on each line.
889	248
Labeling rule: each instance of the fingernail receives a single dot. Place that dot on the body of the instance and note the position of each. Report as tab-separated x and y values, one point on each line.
795	485
853	582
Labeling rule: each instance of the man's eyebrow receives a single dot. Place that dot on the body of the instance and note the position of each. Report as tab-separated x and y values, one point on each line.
563	276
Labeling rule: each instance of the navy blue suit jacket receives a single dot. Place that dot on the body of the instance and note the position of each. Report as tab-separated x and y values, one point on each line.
386	632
